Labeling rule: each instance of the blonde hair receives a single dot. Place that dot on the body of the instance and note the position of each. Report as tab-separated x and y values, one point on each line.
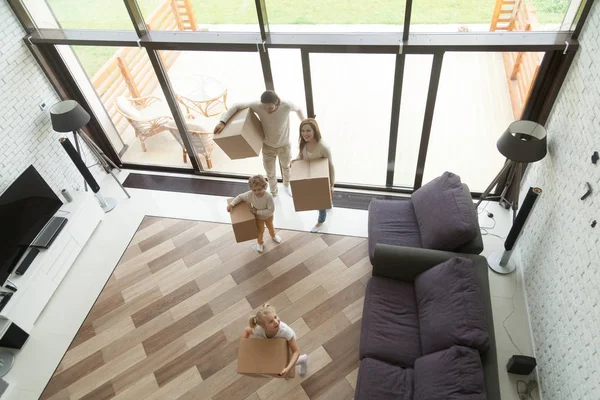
259	318
257	180
315	127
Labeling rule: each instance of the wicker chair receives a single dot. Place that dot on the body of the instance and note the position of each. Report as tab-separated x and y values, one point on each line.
200	136
146	121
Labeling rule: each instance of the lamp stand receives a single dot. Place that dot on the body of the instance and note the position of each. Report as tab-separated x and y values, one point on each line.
108	165
512	182
79	152
499	262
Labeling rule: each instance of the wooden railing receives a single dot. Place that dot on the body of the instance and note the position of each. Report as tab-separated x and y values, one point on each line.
521	67
129	72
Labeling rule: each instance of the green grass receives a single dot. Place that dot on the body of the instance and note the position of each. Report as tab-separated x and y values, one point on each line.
111	14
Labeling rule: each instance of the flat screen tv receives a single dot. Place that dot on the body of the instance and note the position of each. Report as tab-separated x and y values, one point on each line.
26	206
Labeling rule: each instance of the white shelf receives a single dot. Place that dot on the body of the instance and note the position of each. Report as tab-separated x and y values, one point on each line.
37	285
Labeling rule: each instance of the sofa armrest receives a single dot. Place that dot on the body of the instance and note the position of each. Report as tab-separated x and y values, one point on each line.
475	245
405	263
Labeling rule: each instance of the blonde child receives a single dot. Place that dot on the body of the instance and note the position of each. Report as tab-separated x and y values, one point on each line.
266	324
312	147
261	205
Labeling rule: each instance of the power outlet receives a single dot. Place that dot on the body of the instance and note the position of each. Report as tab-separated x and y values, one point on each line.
43	106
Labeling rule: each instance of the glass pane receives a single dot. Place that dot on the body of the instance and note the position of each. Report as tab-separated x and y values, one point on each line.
353	109
415	86
130	94
286	66
208	82
88	14
336	16
473	107
200	15
487	15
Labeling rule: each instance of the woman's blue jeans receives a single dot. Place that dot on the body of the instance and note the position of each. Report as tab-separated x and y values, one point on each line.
322	216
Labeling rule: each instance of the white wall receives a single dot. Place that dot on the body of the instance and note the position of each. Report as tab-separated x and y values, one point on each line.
26	135
559	250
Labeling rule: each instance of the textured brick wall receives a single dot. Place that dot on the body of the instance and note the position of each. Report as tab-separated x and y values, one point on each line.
559	250
26	135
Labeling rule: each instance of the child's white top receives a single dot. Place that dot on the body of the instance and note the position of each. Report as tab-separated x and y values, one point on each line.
284	332
265	207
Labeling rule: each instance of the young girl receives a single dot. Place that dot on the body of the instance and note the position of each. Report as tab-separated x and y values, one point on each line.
261	205
266	324
311	148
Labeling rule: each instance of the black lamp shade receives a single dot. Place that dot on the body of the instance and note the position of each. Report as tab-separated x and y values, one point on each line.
523	141
68	116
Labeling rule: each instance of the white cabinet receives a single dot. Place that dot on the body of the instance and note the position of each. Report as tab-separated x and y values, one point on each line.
37	285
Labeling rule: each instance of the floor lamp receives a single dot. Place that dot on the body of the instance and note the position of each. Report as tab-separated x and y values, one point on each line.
69	116
523	142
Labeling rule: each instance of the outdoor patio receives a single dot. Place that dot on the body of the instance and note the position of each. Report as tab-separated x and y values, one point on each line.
352	98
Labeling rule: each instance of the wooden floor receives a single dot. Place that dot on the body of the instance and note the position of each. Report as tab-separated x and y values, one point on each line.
168	322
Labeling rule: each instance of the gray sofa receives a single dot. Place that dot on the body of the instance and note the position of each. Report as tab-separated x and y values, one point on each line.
427	329
440	215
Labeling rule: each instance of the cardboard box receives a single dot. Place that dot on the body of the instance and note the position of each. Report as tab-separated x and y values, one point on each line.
242	136
264	357
310	185
243	222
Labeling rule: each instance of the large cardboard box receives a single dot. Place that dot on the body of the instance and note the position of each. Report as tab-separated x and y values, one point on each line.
242	136
264	357
310	184
243	222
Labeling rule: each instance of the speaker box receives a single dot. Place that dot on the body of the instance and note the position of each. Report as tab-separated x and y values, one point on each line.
524	212
520	365
83	170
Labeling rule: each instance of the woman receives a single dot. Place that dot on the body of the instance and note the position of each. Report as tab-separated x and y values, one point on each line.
312	147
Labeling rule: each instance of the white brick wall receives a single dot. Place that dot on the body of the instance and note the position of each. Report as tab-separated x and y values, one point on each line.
26	135
559	250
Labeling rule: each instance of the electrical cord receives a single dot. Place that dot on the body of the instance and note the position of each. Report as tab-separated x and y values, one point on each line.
524	389
512	300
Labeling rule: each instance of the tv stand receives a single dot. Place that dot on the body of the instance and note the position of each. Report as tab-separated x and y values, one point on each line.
45	238
47	268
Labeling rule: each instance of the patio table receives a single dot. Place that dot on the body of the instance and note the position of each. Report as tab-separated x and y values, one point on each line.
201	94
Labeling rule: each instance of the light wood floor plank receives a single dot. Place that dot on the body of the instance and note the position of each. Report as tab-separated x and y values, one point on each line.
178	386
86	349
216	323
138	262
332	270
147	232
348	277
201	298
297	257
106	372
355	310
168	322
143	388
154	280
149	365
352	378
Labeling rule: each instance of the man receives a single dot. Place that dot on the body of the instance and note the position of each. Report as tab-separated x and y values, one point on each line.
274	115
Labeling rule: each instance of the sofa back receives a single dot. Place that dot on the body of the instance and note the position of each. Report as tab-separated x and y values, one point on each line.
446	215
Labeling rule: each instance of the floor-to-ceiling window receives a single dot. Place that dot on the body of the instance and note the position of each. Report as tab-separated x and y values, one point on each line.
392	118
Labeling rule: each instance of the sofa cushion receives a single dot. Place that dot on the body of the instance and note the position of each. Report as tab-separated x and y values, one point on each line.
445	213
392	222
452	374
379	380
390	323
450	307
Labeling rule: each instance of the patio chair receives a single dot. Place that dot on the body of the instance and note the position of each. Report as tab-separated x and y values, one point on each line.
200	135
146	115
